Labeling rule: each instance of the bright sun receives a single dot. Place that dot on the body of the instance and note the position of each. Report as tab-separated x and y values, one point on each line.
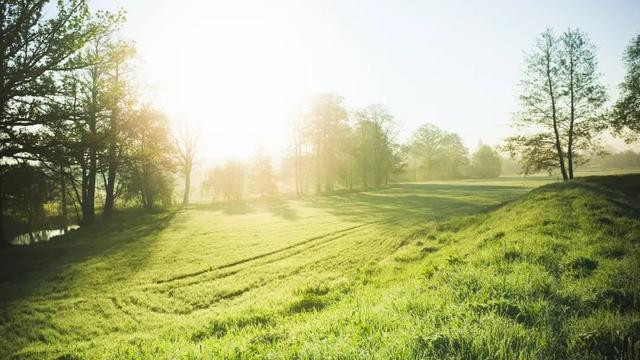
234	79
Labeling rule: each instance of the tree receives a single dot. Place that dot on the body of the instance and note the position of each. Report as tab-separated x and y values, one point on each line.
262	179
35	48
301	165
439	154
626	115
375	150
185	142
327	124
486	162
120	102
148	173
226	181
562	103
92	90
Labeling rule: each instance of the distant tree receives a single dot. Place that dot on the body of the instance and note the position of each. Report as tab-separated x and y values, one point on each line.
423	147
511	166
376	151
437	154
298	153
452	157
326	126
626	114
486	162
148	174
186	144
226	181
262	177
562	102
625	159
301	165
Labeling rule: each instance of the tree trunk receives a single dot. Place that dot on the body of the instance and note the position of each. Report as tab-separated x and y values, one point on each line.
3	239
29	208
88	206
318	177
187	185
296	159
571	120
364	172
109	199
63	199
112	156
555	121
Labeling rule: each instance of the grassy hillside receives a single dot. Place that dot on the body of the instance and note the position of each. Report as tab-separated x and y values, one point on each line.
414	271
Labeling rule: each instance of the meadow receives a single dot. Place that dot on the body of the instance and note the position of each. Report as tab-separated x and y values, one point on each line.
509	268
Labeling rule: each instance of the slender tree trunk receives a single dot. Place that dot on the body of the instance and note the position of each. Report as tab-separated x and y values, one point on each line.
3	239
112	156
318	175
296	160
555	121
88	213
63	199
111	181
83	187
364	172
187	185
29	209
571	119
144	199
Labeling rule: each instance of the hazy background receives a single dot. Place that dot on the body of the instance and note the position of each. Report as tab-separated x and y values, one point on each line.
239	69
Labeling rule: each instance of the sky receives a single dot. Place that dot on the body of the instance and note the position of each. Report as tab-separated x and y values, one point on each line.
237	71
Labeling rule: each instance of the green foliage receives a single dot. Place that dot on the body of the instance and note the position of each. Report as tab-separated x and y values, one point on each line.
486	163
26	189
226	181
334	148
148	173
562	105
626	114
262	177
620	160
436	154
376	154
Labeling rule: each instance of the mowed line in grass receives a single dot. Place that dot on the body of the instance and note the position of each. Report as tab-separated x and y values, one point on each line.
260	256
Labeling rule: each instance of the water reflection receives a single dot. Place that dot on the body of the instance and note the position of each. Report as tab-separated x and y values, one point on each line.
40	235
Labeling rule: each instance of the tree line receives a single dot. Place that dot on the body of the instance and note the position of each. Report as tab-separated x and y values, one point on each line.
337	149
73	127
77	138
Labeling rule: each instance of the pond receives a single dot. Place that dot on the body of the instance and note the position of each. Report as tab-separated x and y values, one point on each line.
40	235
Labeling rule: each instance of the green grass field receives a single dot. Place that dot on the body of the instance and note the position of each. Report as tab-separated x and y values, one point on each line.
458	270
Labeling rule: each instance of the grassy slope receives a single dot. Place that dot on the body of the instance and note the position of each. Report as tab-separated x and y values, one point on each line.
552	275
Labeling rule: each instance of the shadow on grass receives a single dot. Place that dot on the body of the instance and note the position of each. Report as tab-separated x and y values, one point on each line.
417	201
227	208
120	246
277	206
282	208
